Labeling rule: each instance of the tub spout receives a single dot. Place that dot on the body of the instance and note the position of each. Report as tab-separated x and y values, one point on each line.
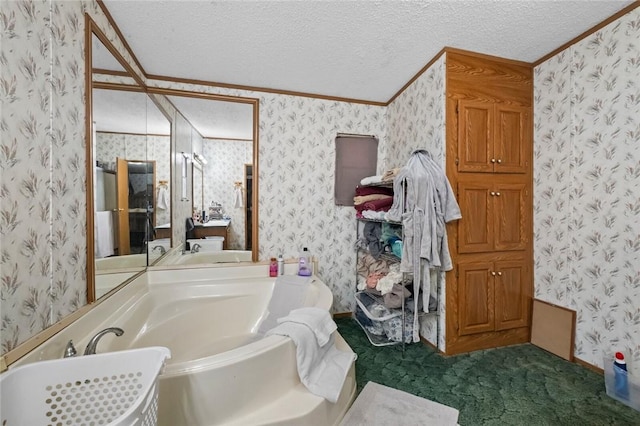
70	350
160	248
195	248
91	347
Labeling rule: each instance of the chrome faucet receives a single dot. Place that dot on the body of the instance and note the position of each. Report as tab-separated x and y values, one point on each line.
195	248
91	346
70	350
161	248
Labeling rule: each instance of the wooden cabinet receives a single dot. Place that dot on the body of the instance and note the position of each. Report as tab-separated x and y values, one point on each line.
495	216
489	163
492	137
493	296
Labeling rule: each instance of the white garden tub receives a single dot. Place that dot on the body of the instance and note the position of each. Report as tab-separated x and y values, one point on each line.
203	258
130	261
220	371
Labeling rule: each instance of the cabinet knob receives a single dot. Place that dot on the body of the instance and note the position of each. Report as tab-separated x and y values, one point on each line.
493	160
498	194
492	193
493	273
499	161
499	274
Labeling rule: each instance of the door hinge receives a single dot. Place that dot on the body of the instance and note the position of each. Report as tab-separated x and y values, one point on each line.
457	161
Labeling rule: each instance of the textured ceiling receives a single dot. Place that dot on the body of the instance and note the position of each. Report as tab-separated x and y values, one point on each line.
354	49
127	112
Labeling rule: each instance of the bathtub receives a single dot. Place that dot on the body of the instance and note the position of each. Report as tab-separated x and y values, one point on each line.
224	256
130	261
220	371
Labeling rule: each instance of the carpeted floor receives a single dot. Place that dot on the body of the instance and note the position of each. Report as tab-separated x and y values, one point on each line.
517	385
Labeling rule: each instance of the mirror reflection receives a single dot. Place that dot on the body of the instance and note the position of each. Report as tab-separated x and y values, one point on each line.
132	171
223	151
137	138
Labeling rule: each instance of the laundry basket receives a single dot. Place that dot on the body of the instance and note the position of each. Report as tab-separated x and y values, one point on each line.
115	388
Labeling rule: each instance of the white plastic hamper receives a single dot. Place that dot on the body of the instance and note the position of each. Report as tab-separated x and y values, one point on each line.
114	388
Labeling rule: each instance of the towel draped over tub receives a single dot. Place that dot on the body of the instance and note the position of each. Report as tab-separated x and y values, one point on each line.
321	366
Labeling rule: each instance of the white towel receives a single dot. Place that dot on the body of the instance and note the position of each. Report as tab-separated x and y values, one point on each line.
237	203
317	319
104	235
162	202
289	292
369	180
322	369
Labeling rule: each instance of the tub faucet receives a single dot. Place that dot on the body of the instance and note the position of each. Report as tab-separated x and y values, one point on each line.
160	248
195	248
70	350
91	346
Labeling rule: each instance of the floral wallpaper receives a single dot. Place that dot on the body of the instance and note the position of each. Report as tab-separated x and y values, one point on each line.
42	163
226	160
587	188
296	166
416	120
586	172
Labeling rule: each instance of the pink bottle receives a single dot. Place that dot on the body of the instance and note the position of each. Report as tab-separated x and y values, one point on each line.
273	267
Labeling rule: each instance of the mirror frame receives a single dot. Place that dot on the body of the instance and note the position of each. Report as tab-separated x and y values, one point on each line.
255	102
91	29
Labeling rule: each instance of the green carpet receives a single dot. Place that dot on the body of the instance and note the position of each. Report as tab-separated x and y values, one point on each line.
516	385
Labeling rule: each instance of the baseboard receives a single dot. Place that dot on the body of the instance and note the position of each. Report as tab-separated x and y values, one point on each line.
588	365
431	345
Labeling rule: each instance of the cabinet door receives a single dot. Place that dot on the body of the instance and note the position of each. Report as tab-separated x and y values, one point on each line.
475	138
511	143
512	217
512	296
475	298
475	229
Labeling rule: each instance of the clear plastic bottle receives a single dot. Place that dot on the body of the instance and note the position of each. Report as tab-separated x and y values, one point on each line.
304	263
280	265
621	382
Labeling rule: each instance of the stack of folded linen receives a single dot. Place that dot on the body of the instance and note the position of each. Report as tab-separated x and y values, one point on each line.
373	199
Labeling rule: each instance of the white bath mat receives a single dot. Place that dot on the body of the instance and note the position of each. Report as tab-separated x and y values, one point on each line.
379	405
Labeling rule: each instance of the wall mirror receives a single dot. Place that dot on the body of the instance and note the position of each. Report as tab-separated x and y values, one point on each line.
133	162
129	169
131	187
224	154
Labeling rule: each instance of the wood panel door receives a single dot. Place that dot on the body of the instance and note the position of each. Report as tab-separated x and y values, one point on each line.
122	205
512	298
511	143
511	220
475	229
476	310
475	136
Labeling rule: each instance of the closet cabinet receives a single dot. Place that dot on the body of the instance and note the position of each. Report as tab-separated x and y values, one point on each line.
489	149
492	137
490	296
499	216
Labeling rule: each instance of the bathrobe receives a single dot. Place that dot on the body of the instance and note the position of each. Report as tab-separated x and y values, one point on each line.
428	205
